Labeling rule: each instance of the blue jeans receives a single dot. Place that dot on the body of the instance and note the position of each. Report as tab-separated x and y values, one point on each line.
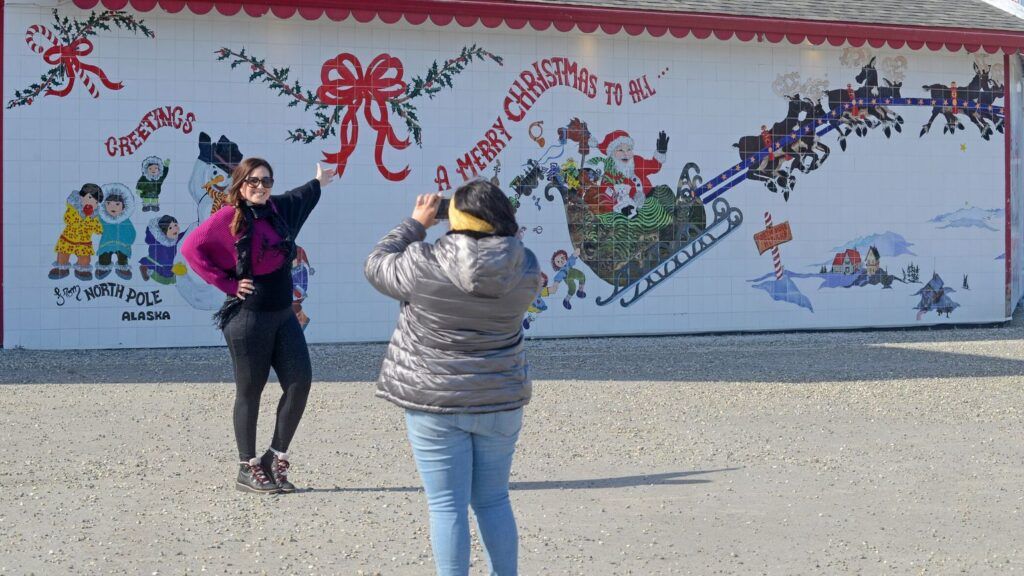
465	459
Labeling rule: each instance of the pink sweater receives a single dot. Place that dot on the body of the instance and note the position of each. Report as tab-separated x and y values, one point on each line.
210	250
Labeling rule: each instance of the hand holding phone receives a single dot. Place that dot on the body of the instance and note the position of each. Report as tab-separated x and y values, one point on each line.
442	209
427	207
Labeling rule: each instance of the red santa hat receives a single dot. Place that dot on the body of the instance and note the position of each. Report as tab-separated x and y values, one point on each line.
613	140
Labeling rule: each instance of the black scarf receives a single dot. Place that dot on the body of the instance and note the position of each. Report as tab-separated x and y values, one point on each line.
243	246
472	234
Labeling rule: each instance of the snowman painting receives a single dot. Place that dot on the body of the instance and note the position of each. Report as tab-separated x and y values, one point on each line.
208	186
211	174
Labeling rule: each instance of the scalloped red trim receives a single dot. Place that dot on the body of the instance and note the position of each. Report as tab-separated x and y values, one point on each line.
517	15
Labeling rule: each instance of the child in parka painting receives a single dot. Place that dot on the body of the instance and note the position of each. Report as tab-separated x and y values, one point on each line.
162	235
538	305
154	172
118	231
80	225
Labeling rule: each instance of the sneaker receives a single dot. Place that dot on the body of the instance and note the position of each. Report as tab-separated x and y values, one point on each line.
566	303
278	467
252	478
580	293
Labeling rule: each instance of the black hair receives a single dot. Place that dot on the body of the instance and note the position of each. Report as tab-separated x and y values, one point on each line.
115	197
91	190
165	222
487	202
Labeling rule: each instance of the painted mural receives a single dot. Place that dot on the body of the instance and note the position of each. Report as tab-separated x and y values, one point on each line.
63	46
631	175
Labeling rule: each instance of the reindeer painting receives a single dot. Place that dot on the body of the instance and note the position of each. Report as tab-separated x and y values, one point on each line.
982	89
805	150
889	119
858	110
770	168
847	117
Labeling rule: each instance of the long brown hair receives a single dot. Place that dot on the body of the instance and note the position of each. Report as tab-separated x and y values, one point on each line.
238	176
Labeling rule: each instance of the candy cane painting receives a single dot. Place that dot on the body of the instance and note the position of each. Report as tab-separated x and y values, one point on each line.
64	47
347	87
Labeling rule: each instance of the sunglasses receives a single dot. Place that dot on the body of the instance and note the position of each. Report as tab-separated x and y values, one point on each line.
255	182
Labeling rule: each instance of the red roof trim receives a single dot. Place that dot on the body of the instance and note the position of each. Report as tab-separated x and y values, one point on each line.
516	15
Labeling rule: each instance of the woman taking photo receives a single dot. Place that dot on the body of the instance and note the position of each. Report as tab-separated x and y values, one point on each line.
456	363
246	249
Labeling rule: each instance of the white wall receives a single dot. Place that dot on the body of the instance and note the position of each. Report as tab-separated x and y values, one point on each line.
708	95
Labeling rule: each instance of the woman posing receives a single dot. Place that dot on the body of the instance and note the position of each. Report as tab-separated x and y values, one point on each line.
246	250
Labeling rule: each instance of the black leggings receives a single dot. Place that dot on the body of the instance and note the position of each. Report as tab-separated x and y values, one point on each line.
258	341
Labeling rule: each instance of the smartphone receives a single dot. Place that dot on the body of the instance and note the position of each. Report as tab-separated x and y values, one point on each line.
442	209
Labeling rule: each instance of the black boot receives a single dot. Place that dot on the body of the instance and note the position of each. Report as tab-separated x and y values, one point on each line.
278	468
252	478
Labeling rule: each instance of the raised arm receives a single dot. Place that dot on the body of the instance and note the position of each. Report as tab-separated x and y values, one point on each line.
389	267
297	204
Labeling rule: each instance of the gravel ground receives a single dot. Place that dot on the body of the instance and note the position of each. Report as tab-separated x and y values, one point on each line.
803	453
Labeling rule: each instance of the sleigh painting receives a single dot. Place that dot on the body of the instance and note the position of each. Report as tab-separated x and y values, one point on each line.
632	234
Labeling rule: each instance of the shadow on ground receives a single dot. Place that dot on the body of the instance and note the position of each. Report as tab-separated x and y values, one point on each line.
663	479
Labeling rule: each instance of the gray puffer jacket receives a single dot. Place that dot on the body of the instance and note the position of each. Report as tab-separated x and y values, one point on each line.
458	346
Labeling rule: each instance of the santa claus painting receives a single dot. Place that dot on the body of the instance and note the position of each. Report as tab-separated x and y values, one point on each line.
626	182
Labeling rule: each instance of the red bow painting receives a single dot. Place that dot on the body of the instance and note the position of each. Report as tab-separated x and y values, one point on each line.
64	46
349	90
344	83
69	57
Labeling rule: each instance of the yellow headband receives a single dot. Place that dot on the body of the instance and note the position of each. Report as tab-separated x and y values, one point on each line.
460	220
